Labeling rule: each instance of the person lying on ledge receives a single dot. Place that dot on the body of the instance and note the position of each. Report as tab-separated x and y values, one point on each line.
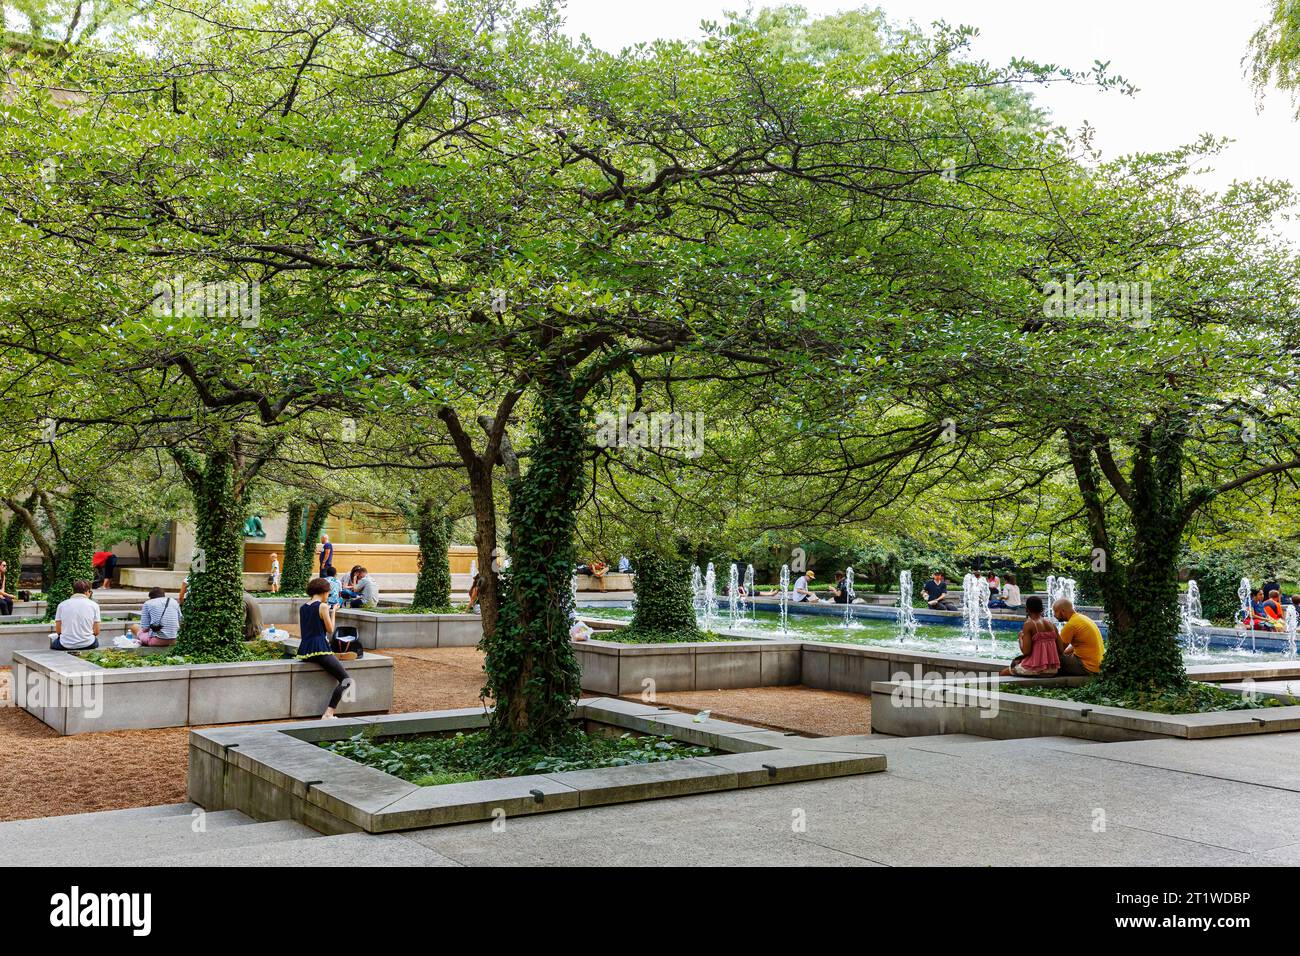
1039	656
1079	642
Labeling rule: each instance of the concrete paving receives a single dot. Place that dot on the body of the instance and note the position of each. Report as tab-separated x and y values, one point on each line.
951	800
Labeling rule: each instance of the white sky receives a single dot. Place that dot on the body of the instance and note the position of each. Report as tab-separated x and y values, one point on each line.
1184	57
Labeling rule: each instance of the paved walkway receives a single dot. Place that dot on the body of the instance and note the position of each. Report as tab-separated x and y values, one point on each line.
944	800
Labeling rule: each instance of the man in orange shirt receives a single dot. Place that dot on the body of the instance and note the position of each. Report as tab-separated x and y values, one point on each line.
1079	642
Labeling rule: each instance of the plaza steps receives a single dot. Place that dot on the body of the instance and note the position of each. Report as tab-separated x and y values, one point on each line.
139	835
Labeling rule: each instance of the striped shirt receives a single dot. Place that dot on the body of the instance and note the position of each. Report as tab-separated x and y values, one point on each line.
162	616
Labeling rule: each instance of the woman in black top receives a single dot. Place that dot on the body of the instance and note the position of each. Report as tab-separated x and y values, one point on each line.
316	624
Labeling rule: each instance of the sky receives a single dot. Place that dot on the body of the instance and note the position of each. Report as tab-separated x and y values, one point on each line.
1185	57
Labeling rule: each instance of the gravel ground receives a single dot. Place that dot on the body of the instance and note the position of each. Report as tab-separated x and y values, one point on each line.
43	774
813	713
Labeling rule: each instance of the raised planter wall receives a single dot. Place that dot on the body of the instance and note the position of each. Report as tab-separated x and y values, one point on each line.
378	631
73	696
36	637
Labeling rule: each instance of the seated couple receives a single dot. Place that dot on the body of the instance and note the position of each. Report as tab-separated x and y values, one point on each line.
1075	651
360	589
1266	615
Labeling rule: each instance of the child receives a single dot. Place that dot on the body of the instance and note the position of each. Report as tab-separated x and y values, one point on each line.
275	573
332	579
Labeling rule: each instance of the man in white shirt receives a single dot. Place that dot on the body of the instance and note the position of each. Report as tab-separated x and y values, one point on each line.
801	592
76	621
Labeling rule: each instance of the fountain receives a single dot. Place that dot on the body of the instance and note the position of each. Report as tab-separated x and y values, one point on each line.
733	595
785	597
906	615
697	588
1195	637
749	592
974	605
1290	629
848	595
1243	626
710	597
1051	599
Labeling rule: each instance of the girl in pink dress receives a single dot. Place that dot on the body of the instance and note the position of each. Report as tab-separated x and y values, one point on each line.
1039	656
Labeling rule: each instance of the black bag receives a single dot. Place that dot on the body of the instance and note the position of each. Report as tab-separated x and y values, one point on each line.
347	639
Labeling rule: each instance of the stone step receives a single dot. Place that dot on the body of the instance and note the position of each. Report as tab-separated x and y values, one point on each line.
131	843
78	826
349	849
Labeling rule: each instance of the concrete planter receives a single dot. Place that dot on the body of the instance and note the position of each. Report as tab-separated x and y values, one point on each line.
36	637
73	696
278	773
610	667
616	669
378	631
988	707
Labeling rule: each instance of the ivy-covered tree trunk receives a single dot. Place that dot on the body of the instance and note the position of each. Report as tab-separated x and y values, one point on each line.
76	552
11	551
293	546
213	622
433	586
1141	591
296	573
532	672
485	544
665	607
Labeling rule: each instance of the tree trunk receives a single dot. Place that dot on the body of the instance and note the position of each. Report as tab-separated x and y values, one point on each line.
1143	649
1141	592
485	543
665	606
213	622
11	548
433	586
293	531
532	672
319	515
76	552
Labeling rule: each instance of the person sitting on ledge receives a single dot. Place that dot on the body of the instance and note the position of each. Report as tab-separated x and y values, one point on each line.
1009	596
840	589
936	593
76	621
801	593
6	599
366	590
316	624
1259	619
1039	656
160	620
1273	608
1079	642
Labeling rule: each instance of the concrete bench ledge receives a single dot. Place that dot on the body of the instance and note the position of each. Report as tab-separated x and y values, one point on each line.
72	695
277	772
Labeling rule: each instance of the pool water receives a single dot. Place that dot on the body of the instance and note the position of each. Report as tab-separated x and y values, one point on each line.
932	638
